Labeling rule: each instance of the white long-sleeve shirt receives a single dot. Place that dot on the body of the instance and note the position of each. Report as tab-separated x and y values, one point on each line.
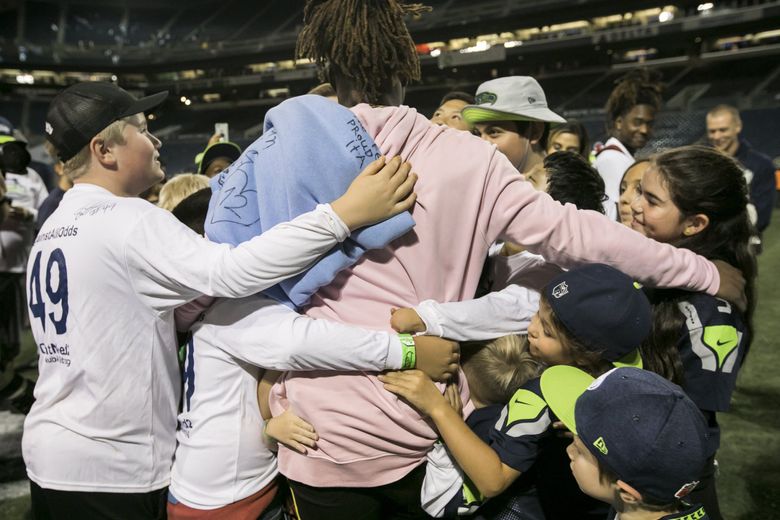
220	457
508	311
105	274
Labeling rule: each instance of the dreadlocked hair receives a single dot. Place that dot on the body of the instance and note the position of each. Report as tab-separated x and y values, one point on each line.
365	40
638	87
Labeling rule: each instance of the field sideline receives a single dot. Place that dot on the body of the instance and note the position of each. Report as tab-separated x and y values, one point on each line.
749	482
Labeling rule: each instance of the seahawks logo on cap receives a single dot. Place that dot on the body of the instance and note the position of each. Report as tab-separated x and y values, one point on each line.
686	489
560	290
484	98
48	128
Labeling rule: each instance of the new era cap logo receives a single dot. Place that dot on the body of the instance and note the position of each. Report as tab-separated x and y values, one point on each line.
601	445
48	128
531	100
484	98
560	290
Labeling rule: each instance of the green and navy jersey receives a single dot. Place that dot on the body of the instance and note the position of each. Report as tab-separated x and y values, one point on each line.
695	512
520	494
524	440
523	422
712	345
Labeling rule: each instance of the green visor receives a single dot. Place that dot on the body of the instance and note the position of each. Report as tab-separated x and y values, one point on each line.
475	114
562	385
632	359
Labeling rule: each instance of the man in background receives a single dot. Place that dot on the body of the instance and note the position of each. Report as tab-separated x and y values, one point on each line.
723	128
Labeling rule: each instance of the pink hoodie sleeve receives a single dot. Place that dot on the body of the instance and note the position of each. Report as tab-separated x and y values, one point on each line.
570	237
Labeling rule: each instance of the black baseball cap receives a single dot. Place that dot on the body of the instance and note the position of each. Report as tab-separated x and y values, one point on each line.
645	429
83	110
221	149
602	308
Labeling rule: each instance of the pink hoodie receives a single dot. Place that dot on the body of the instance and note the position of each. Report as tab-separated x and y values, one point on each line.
469	195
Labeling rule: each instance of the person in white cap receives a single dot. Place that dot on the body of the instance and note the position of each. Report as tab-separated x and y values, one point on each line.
105	273
512	113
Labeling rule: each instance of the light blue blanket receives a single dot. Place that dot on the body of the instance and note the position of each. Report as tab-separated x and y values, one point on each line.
309	153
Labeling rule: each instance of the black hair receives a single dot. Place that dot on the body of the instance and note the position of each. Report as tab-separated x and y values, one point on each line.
192	210
15	157
364	40
572	127
701	180
638	87
571	179
460	96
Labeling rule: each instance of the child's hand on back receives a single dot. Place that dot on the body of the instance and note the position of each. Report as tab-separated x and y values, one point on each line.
452	395
732	284
438	358
415	387
292	431
406	320
380	191
561	430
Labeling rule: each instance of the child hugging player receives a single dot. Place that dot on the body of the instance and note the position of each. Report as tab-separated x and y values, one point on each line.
592	318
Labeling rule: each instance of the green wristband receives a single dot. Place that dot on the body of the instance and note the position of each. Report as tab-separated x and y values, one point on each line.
408	351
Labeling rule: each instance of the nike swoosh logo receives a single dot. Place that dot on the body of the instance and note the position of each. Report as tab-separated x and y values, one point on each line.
721	343
518	401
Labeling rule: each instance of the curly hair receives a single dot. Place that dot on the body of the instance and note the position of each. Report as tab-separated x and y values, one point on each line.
366	41
638	87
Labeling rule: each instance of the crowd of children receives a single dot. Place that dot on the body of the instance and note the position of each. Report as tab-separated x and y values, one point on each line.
603	312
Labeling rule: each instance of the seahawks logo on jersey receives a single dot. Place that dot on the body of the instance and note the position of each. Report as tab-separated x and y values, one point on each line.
717	346
526	414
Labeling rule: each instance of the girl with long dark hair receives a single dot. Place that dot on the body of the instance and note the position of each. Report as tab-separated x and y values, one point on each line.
696	198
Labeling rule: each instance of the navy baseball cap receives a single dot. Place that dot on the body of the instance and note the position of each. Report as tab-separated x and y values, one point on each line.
640	426
81	111
602	308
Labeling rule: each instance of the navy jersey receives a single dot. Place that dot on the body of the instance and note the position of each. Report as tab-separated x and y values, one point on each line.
523	422
524	440
520	495
712	345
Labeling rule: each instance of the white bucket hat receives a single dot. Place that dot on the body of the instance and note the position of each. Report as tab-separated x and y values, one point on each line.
514	98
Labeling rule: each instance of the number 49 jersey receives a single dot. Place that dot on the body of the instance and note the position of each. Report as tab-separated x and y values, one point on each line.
104	417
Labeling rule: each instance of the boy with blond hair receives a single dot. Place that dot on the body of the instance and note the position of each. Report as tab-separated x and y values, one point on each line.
105	274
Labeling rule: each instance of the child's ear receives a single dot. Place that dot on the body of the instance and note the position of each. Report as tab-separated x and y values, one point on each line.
628	494
102	152
696	224
536	132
